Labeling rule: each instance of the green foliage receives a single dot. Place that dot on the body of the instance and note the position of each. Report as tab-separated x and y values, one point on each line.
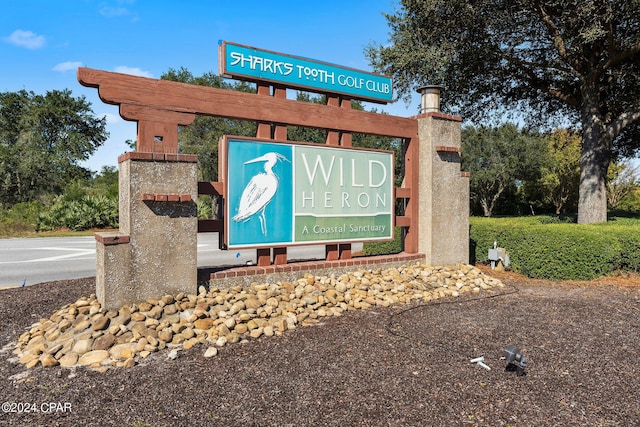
105	182
42	140
556	219
560	251
499	159
84	204
622	179
561	172
85	213
545	63
384	248
631	202
202	136
204	207
21	218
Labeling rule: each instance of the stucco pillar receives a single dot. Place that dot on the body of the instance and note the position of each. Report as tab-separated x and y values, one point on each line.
155	251
444	190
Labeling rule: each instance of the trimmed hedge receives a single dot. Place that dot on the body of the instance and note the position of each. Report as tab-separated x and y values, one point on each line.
384	248
543	249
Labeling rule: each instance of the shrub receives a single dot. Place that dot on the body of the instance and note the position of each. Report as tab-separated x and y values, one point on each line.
20	218
85	213
204	207
560	251
383	248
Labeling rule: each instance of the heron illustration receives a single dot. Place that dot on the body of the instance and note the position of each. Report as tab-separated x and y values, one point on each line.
259	191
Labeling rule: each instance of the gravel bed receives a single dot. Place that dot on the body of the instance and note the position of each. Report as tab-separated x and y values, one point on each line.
405	365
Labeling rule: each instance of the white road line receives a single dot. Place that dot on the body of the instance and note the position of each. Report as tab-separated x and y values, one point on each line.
77	253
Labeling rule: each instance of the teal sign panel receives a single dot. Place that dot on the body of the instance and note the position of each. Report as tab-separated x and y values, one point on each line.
289	194
249	63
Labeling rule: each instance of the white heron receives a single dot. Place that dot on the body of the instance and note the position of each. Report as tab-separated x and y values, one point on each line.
259	191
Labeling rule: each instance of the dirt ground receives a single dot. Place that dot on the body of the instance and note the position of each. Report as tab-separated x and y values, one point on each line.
405	365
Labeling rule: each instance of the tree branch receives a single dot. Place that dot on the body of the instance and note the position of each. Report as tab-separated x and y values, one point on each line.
534	81
625	119
557	39
617	57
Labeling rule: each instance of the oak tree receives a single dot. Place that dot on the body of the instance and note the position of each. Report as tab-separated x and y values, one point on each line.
552	62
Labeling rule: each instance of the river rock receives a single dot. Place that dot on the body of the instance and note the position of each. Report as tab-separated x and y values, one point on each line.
49	361
93	357
68	360
211	352
84	333
204	324
122	351
104	342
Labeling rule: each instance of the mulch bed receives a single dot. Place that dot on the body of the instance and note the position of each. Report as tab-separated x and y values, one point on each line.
400	366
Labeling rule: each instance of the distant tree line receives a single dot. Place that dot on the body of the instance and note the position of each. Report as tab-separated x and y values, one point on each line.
520	172
43	139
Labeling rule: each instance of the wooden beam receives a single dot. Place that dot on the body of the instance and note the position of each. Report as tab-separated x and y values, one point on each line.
403	221
403	193
211	188
140	112
210	225
411	180
116	89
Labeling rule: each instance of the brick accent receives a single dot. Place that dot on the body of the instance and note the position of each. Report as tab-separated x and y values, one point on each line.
230	277
109	239
443	148
158	197
465	174
158	157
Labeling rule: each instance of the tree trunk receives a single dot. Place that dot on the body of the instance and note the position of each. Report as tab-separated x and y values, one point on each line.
594	162
486	211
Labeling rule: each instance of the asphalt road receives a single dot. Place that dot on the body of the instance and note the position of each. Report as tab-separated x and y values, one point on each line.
37	260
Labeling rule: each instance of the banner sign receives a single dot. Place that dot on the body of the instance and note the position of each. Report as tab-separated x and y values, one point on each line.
281	193
249	63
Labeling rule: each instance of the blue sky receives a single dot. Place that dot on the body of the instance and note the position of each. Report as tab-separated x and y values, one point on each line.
43	42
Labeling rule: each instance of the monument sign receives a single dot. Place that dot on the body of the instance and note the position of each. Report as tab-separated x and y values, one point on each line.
249	63
283	193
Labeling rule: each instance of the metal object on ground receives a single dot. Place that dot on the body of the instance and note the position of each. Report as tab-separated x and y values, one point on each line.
515	360
499	257
480	362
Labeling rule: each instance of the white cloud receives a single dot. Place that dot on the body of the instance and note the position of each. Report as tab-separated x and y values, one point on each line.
26	39
112	12
67	66
133	71
117	9
112	119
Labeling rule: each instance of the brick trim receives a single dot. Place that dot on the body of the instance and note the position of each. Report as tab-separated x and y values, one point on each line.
160	197
465	174
109	239
447	149
308	266
158	157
